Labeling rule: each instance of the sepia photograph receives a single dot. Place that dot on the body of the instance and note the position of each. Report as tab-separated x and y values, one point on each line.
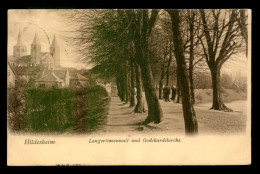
128	87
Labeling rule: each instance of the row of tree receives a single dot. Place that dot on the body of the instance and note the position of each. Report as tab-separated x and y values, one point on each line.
133	46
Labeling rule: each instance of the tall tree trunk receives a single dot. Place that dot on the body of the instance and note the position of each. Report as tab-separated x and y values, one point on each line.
191	56
126	83
168	66
217	99
118	88
178	91
243	27
121	88
132	96
161	84
139	108
190	120
215	63
155	113
191	85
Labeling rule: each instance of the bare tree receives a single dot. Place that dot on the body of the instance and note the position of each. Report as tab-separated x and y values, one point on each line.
190	120
143	23
132	93
139	108
242	22
220	41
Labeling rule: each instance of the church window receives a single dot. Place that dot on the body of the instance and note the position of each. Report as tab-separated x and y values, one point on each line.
8	73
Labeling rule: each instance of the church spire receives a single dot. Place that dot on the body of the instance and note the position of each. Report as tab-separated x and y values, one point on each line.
19	49
19	40
36	40
54	42
55	51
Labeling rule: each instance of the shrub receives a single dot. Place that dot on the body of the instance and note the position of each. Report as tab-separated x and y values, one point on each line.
59	110
49	110
91	115
15	109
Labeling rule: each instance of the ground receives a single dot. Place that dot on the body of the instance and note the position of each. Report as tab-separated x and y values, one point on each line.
122	119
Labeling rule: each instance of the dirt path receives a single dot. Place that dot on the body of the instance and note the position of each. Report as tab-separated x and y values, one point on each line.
121	119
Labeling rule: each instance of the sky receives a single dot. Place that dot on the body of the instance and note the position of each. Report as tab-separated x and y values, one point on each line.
46	23
236	64
49	22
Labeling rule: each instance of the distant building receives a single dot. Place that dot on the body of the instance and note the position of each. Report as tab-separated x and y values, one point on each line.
11	76
27	73
77	80
47	59
43	68
49	78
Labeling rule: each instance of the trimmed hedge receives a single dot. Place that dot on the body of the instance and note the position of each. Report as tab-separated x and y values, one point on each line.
61	110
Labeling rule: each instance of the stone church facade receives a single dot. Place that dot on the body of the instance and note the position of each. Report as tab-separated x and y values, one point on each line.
43	68
50	60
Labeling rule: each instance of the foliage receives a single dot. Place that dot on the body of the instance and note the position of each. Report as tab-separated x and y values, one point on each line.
49	110
100	37
58	110
15	109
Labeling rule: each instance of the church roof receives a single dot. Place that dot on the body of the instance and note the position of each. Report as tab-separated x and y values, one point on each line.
82	80
48	76
36	40
81	77
73	73
12	59
59	73
33	70
19	40
84	83
11	67
26	59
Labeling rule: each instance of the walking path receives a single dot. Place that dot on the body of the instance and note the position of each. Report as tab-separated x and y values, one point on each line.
122	119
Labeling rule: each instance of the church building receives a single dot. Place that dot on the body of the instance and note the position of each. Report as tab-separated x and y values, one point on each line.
43	67
50	60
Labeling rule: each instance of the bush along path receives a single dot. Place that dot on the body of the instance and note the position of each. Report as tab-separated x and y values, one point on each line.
57	110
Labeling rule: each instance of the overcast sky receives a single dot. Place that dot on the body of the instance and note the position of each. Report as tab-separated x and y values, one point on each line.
50	22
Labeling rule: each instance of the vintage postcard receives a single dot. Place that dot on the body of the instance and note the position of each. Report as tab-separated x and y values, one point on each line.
128	87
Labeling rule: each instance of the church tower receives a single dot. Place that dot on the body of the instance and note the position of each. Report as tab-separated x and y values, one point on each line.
19	49
36	50
55	52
